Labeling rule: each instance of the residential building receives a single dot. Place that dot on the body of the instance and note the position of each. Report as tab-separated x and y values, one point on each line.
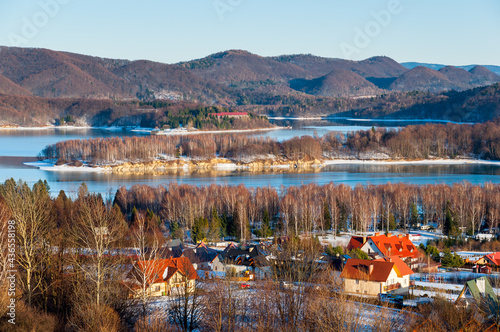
163	275
379	246
207	261
383	275
254	259
492	259
479	292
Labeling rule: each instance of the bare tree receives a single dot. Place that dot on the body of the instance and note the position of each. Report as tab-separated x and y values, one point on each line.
95	234
146	240
374	203
186	309
222	306
30	209
5	245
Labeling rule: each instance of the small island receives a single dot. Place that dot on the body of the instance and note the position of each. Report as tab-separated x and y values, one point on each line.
157	154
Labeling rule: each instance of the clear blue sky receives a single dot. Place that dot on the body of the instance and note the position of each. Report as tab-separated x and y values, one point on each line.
456	32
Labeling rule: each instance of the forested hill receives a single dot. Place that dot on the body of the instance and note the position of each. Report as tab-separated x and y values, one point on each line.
235	79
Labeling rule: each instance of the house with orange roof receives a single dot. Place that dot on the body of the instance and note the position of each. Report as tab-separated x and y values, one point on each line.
380	246
492	259
383	275
163	275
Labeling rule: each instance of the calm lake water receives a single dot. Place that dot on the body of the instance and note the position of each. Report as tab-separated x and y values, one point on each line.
18	146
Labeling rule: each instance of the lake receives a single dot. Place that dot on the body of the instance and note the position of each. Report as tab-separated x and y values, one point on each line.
18	146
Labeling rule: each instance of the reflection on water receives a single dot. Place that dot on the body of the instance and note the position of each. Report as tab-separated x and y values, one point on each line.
107	184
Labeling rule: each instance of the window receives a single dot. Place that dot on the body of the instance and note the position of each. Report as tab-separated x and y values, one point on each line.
157	288
357	281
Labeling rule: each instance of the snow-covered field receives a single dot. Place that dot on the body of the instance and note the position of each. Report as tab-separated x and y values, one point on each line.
425	236
335	240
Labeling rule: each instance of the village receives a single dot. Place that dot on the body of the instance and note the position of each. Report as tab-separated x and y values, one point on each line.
376	271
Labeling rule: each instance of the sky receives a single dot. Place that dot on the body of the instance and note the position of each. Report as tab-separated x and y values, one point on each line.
452	32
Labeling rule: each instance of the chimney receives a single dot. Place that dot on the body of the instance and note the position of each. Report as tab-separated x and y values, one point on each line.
370	269
400	236
364	239
389	259
377	234
389	234
408	236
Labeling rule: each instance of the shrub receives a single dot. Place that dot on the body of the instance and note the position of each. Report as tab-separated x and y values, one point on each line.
94	318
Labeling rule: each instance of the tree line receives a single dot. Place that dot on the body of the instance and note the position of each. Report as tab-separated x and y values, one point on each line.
218	211
411	142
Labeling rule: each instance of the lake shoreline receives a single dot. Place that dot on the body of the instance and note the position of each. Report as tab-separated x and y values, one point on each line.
225	165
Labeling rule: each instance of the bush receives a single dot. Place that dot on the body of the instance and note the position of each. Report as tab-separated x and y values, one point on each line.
333	251
358	253
93	318
451	260
29	319
432	251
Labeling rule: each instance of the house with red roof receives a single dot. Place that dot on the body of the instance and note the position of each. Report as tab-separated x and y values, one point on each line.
380	246
383	275
163	275
492	259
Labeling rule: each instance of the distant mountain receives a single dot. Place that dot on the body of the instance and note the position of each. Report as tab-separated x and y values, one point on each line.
483	76
318	66
337	83
236	66
286	84
411	65
47	73
423	79
457	75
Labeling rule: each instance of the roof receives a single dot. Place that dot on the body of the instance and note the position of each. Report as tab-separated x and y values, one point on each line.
480	289
356	242
200	254
388	245
360	269
230	246
494	258
163	269
402	268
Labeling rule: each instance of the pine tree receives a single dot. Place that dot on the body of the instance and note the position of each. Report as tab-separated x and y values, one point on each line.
200	229
215	231
327	217
450	225
415	218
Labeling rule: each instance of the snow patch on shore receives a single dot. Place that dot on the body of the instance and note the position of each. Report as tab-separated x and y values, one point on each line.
52	167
